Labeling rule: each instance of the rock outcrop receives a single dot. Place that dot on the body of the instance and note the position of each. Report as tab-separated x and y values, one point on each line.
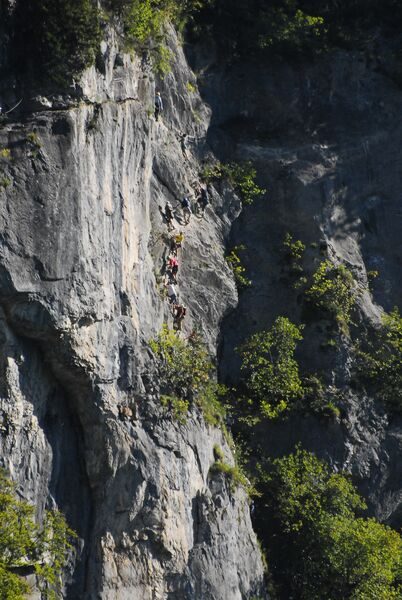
325	138
83	245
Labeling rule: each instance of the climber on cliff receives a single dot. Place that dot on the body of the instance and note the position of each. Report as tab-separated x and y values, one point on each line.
185	205
203	199
158	104
179	312
173	268
171	292
169	215
176	242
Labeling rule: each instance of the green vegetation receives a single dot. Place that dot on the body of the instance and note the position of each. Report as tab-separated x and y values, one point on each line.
186	376
218	453
319	544
56	39
238	269
144	24
5	153
293	251
271	383
295	27
191	88
241	176
4	181
318	400
33	139
333	291
233	474
23	543
379	360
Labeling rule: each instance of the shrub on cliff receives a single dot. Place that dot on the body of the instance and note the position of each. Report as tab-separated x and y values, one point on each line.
144	24
318	543
271	381
241	176
333	292
378	362
186	376
57	39
24	545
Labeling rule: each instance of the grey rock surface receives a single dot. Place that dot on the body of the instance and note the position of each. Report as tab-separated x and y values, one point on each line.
83	246
325	138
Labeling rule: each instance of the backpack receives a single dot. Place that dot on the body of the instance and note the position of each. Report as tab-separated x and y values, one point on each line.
185	202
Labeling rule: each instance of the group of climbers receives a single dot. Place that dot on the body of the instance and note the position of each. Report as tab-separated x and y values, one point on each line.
176	241
178	310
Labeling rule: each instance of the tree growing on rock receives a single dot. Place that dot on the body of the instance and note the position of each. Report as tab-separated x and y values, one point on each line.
271	378
318	543
26	546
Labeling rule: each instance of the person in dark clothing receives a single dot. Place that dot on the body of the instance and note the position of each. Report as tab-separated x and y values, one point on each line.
178	316
203	199
169	215
186	207
158	105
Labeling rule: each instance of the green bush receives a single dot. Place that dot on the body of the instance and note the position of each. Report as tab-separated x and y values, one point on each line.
23	543
234	262
297	31
320	546
5	181
333	291
144	24
293	252
319	400
271	380
244	27
378	360
186	376
218	453
241	176
296	27
58	40
234	475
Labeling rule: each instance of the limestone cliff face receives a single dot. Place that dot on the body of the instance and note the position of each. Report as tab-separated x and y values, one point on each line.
82	247
325	137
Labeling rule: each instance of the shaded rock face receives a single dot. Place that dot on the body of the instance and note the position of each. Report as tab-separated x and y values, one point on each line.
325	140
83	247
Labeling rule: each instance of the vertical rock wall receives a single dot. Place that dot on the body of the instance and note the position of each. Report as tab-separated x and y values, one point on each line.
82	250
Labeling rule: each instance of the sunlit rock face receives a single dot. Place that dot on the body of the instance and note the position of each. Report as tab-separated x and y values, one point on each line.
83	247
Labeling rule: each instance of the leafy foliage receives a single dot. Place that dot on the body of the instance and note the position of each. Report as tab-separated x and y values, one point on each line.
295	27
293	253
234	474
272	381
144	24
242	176
62	38
23	543
317	399
320	546
379	360
4	181
333	292
234	261
252	26
185	371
